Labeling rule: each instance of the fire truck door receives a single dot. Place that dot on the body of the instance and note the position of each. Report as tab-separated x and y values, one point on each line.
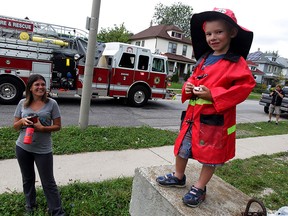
44	69
122	75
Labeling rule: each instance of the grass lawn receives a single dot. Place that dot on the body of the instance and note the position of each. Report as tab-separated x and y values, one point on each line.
253	176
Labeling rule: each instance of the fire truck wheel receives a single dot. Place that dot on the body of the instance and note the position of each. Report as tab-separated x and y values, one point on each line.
11	90
138	96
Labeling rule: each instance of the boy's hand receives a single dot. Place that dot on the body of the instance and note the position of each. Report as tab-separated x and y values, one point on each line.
189	88
204	93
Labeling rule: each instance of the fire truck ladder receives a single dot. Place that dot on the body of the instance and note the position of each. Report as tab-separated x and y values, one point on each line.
42	29
39	41
26	49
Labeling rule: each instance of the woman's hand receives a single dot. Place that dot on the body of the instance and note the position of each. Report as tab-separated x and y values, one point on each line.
26	121
20	122
38	127
56	126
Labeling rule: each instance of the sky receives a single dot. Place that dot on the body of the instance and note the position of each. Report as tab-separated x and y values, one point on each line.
267	19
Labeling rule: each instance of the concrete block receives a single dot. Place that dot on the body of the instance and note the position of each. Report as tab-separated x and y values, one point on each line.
150	199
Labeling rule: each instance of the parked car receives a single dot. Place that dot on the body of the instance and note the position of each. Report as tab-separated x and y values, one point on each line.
265	101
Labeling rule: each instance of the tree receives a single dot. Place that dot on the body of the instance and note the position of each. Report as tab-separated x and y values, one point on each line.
116	34
177	14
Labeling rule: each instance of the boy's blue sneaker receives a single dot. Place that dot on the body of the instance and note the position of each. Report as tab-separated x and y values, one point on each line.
169	180
194	197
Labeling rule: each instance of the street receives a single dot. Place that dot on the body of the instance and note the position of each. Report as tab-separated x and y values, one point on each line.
157	113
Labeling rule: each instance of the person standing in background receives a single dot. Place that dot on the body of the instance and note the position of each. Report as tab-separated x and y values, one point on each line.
277	97
39	151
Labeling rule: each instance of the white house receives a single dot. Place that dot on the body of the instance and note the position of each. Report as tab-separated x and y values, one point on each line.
168	40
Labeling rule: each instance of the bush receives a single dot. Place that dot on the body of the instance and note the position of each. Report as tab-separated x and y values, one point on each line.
175	78
260	88
186	76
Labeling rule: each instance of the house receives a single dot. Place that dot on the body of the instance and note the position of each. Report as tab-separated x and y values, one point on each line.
168	40
284	62
267	63
258	74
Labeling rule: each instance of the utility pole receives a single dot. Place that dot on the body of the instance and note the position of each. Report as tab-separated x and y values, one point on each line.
89	65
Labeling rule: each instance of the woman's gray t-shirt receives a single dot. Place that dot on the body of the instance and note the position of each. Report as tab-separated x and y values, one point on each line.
41	142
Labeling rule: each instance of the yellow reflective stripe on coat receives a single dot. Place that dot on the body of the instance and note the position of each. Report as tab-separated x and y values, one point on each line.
231	130
199	101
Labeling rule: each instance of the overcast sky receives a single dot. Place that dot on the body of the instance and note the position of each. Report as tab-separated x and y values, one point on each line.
267	19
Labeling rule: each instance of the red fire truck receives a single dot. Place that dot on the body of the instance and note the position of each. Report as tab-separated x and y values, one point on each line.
59	53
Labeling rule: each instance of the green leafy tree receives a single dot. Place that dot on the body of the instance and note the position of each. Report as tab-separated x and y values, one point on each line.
177	14
116	34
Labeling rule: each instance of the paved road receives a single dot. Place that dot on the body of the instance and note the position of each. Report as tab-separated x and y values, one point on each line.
157	113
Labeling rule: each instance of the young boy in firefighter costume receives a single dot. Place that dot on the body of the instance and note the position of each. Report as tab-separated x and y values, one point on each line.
220	81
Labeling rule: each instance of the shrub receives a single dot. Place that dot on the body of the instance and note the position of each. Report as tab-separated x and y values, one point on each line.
186	76
175	78
259	88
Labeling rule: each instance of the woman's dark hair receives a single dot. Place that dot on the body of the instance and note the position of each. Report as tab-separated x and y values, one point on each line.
29	96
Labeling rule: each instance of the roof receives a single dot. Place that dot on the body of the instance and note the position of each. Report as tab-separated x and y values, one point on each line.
282	61
180	58
160	31
257	71
255	56
264	58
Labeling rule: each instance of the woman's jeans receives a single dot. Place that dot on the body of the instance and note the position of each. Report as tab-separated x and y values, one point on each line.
44	164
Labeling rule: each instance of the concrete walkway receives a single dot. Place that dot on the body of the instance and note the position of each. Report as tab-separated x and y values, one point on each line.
99	166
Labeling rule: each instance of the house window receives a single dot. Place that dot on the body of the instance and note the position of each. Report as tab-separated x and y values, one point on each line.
172	47
253	68
184	51
140	43
176	35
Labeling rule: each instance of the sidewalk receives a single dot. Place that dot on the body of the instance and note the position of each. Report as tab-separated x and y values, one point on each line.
99	166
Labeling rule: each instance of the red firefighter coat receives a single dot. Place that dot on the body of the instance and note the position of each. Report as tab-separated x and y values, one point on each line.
214	123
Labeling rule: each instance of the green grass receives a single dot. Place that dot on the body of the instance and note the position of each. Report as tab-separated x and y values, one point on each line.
72	139
256	129
256	175
176	85
112	197
254	96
